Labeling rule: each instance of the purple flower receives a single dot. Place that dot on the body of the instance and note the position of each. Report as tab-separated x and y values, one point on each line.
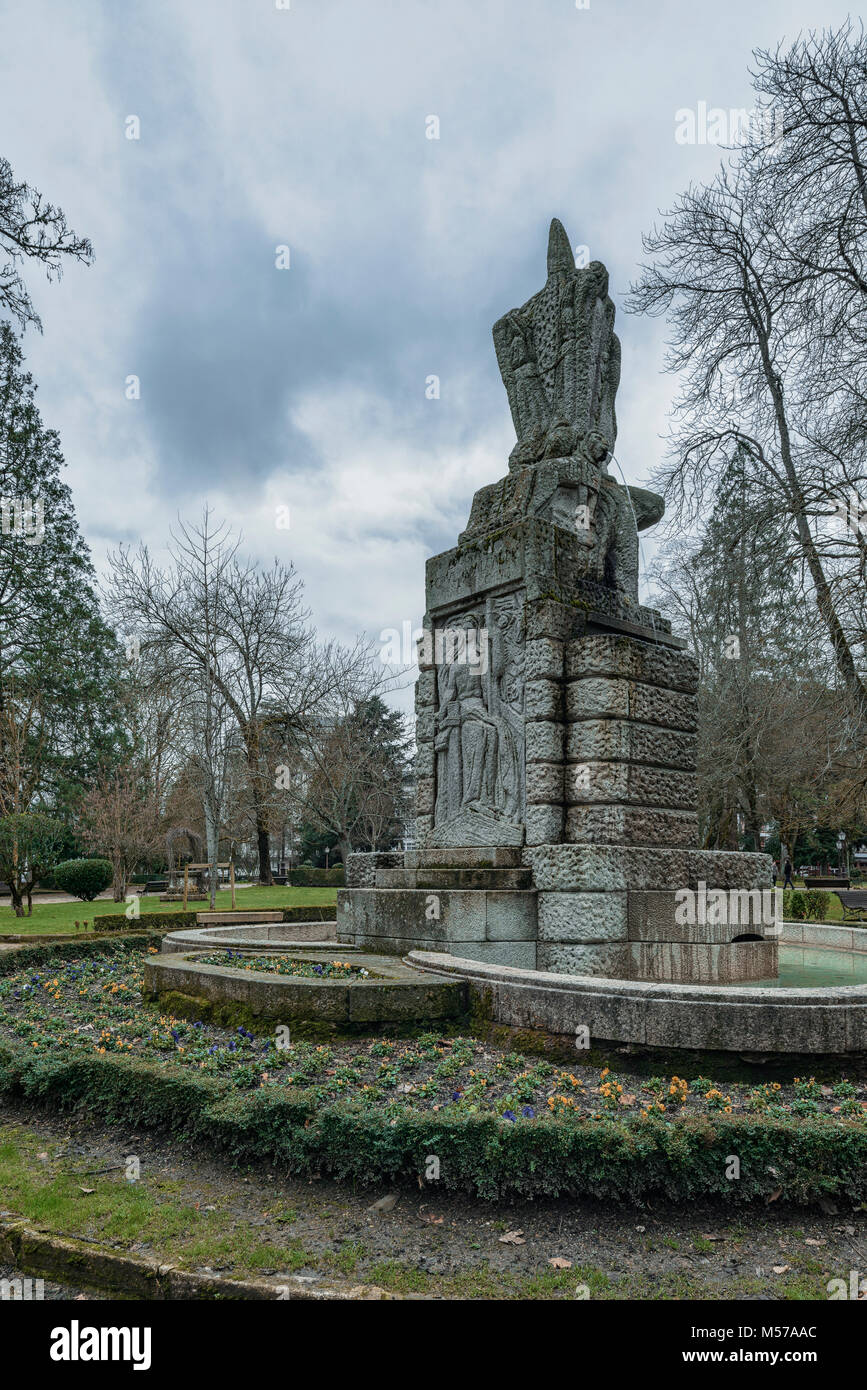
510	1115
528	1112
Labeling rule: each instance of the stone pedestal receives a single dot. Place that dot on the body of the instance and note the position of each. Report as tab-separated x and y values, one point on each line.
556	797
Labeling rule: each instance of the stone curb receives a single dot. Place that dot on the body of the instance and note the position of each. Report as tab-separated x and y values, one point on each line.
68	1261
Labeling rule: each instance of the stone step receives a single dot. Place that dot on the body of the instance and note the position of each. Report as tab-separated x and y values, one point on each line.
448	915
492	880
469	857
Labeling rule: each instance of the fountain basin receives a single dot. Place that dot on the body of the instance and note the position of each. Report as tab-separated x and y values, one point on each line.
759	1017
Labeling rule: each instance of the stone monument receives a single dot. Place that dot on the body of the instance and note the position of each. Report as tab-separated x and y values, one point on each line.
556	716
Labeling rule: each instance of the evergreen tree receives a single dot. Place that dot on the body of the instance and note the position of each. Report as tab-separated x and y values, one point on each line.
60	663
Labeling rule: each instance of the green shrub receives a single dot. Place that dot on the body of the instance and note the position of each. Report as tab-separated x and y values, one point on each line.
156	921
806	904
83	878
321	912
317	878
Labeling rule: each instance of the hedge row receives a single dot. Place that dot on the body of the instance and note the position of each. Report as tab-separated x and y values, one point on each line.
317	878
118	921
24	956
611	1158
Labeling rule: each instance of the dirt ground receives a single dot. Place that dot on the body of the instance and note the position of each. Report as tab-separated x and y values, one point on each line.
448	1246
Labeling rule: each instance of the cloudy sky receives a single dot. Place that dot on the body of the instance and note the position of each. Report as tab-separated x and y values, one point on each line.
305	126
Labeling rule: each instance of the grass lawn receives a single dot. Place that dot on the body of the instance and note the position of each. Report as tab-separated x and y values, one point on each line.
61	917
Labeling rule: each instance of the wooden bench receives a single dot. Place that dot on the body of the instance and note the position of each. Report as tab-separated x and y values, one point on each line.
854	903
156	885
839	881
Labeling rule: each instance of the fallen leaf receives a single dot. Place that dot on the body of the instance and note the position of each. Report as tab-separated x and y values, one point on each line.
88	1190
711	1235
513	1238
641	1228
558	1263
627	1100
433	1220
826	1090
810	1241
781	1269
774	1195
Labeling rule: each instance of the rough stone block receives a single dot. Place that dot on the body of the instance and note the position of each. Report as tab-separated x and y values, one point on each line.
621	740
360	869
425	690
424	796
610	654
543	825
545	741
653	916
582	917
592	783
424	726
548	618
543	659
424	760
542	699
608	959
597	698
630	825
545	784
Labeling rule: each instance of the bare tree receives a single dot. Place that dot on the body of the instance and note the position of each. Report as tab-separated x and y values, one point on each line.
215	621
118	821
742	353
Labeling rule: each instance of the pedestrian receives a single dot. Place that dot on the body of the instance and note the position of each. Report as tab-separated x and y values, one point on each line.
788	881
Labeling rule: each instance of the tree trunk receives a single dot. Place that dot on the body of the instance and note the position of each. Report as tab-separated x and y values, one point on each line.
263	841
845	662
212	842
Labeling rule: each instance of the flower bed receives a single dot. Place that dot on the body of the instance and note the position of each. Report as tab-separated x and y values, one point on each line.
281	965
74	1030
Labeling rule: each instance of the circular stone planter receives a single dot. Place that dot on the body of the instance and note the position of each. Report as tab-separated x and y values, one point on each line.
731	1018
392	993
283	936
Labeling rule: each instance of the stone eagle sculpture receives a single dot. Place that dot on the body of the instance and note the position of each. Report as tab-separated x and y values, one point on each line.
559	358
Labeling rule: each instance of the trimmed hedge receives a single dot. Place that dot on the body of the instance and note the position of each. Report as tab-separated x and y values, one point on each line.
24	956
317	878
118	921
83	878
609	1158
